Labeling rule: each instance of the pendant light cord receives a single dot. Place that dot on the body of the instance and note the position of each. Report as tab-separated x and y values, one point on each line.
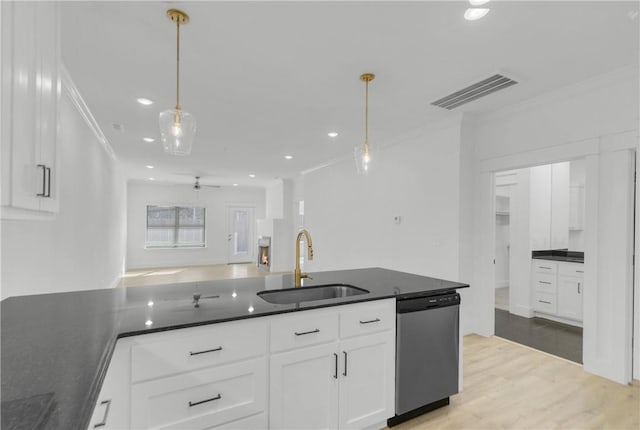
177	66
366	117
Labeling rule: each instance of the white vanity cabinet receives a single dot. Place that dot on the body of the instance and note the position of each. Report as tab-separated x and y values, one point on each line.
558	288
338	370
30	105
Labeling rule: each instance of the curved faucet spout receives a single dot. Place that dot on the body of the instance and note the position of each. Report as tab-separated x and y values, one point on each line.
299	275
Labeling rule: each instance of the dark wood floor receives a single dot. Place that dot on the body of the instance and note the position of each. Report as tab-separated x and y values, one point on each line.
552	337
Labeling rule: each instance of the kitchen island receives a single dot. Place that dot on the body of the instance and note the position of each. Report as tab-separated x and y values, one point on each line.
56	348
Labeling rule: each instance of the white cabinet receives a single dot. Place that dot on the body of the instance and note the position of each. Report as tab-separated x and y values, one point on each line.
570	289
345	382
557	289
112	408
549	206
576	207
30	98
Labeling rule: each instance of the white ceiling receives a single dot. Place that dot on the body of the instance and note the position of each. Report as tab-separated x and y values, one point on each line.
265	79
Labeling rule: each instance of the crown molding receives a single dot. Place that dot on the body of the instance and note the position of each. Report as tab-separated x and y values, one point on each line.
70	89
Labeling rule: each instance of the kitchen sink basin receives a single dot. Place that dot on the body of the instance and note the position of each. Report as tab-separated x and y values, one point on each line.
310	294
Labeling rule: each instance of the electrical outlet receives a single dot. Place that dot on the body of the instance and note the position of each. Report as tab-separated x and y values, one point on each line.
397	219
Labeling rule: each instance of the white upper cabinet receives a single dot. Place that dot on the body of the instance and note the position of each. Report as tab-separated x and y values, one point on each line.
30	98
549	206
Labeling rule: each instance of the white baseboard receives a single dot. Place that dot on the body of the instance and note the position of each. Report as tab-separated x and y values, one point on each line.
523	311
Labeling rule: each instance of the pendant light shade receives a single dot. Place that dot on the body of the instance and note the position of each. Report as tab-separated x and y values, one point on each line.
362	152
177	127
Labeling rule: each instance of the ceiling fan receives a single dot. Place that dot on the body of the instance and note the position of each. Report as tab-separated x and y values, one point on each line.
197	185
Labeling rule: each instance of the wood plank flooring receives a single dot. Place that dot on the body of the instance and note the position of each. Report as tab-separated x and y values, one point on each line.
173	275
510	386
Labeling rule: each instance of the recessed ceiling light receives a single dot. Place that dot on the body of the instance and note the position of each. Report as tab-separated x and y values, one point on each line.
473	13
152	179
148	139
150	303
289	157
144	101
235	185
148	323
251	175
478	2
149	166
332	134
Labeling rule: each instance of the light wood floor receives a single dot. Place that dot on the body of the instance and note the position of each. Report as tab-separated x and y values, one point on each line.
172	275
510	386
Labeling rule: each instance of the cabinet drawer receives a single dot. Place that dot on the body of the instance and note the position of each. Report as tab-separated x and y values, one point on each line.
572	269
544	282
545	302
545	266
163	354
369	317
303	329
200	399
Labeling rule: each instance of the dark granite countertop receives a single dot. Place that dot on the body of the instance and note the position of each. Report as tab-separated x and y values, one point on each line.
56	347
559	255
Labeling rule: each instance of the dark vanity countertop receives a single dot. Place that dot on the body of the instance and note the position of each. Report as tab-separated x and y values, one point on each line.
56	347
559	255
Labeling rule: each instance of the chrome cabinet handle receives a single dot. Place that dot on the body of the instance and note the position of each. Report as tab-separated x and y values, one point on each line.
106	414
545	267
218	397
370	321
335	372
48	182
205	351
542	301
306	332
579	271
345	363
44	180
545	282
579	288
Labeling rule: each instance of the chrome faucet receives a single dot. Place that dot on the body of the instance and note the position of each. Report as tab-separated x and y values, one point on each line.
298	274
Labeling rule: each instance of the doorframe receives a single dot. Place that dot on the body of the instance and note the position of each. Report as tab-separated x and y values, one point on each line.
251	255
484	270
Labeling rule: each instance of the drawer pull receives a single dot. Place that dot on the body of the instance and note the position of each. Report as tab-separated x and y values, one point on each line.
106	414
345	363
370	321
545	282
218	397
543	301
335	373
579	288
206	351
579	271
545	267
44	182
307	332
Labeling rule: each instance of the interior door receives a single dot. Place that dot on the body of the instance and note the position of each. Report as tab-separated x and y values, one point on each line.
240	222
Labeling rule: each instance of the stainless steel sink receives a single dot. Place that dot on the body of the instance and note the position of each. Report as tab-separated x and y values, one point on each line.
310	294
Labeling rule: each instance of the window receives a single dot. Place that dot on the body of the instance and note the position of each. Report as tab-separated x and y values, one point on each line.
175	227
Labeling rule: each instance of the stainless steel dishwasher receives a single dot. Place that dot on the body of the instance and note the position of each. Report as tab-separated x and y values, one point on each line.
427	348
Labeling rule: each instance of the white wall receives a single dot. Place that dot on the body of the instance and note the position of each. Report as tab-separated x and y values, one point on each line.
570	123
351	218
83	248
215	200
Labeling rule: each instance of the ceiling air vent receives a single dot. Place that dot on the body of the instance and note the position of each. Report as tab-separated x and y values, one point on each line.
473	92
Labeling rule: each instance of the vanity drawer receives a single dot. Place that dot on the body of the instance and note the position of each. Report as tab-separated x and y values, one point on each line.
303	329
200	399
544	282
162	354
369	317
572	269
545	302
545	266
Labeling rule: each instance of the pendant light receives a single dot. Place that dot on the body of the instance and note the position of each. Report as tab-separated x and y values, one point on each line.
363	153
177	127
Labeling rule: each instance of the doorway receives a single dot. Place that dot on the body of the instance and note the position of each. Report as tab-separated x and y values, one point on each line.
539	257
240	228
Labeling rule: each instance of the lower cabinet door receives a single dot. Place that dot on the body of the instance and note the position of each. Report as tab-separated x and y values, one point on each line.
201	399
304	388
367	380
570	297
